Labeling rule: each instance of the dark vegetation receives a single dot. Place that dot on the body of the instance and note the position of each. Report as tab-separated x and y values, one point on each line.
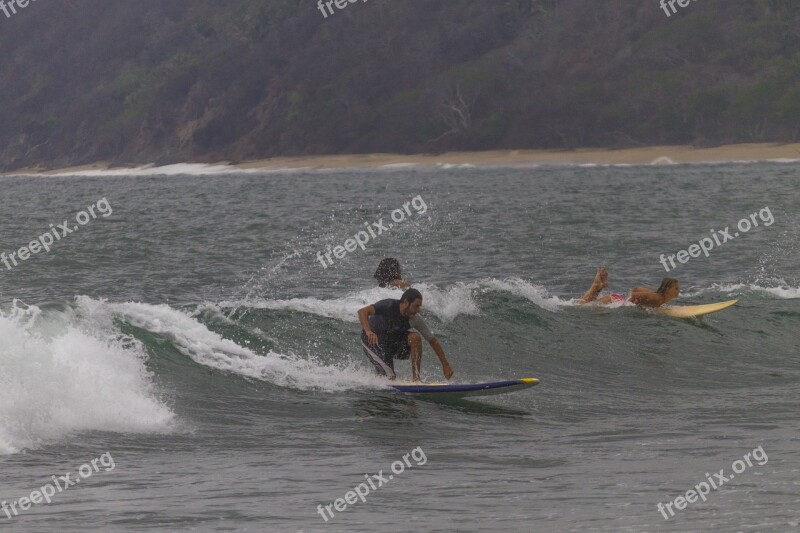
176	80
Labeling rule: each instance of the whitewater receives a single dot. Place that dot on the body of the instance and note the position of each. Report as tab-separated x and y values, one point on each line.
193	335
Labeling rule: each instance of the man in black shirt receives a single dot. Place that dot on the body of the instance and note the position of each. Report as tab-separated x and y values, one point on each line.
387	334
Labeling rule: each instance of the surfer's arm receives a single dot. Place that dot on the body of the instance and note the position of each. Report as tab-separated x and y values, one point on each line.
434	342
646	297
419	324
363	316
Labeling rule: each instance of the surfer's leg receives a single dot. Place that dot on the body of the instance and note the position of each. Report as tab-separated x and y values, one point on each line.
415	344
600	282
383	363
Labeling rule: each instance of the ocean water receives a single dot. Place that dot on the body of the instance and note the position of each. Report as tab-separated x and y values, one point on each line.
188	339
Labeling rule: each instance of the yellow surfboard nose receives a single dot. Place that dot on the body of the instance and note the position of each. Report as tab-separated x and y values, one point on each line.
529	380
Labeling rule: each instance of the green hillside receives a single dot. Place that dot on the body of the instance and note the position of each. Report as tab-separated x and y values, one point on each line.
170	80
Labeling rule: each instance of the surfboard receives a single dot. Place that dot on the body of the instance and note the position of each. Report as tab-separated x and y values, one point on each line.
686	311
472	389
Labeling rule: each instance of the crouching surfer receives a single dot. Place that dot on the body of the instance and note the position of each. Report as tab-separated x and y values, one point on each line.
387	335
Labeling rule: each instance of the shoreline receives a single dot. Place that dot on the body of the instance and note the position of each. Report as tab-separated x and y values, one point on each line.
651	155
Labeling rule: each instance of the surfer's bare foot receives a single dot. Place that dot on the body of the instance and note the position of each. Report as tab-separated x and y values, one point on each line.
600	279
599	283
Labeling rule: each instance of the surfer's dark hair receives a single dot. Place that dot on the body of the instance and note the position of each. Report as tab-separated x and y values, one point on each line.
666	284
411	295
388	271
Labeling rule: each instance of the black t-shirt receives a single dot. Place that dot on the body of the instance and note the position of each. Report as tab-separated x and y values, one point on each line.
387	320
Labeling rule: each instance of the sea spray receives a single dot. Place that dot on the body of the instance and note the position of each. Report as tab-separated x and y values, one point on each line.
55	383
210	349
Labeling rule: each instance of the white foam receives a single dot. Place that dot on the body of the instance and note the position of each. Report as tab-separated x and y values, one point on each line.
663	160
59	378
596	165
179	169
192	169
448	166
210	349
339	308
537	294
200	169
446	304
450	302
782	292
391	166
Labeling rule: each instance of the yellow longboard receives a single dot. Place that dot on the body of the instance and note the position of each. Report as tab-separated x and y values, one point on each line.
687	311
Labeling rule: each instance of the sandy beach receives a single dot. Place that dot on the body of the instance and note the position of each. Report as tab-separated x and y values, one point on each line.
583	156
634	156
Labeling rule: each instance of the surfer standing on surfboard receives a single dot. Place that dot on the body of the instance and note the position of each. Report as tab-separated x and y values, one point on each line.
387	334
669	290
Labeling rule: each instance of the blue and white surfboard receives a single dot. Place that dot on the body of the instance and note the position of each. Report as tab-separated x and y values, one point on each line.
471	389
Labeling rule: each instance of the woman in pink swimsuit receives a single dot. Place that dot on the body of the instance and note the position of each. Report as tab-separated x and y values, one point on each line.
669	290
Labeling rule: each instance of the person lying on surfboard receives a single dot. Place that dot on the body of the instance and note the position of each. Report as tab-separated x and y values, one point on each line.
388	274
387	335
669	290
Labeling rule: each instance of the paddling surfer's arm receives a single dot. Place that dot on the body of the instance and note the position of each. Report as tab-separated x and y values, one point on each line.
363	316
646	297
669	290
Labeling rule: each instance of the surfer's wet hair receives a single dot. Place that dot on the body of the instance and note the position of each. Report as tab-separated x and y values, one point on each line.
666	284
388	271
411	295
